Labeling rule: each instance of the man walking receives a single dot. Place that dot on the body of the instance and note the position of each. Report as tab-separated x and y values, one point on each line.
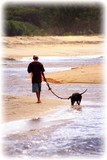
36	69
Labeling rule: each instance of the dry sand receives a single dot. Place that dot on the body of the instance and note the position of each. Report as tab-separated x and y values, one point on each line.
85	74
18	47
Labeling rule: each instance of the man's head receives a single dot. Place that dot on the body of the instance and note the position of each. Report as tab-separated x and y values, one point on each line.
35	57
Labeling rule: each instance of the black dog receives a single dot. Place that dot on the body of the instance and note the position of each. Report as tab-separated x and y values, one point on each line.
76	97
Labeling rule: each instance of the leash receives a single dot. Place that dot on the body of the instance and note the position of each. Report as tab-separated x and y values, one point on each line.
53	92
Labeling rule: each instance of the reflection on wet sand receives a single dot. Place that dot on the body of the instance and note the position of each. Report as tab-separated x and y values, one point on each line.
75	131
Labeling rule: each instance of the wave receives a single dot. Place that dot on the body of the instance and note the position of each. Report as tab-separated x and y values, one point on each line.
60	58
53	58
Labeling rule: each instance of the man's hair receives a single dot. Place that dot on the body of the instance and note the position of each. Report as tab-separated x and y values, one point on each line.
35	57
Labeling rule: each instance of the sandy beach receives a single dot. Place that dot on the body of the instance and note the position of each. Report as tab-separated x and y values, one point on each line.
87	74
18	47
73	64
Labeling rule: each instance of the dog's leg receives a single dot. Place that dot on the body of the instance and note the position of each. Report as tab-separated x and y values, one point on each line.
78	102
72	102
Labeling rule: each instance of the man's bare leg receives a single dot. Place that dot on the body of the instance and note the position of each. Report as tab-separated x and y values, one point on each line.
38	96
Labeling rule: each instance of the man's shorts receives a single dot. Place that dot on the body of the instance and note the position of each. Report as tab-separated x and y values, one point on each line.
36	87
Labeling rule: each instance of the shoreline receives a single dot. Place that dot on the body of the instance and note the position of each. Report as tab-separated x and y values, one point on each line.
25	107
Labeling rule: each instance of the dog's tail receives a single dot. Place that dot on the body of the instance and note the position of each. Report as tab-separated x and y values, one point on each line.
83	92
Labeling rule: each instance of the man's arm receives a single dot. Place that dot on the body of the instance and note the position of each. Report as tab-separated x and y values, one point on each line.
29	69
31	75
43	75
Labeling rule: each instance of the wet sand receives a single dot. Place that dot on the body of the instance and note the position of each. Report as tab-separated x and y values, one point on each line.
61	131
24	107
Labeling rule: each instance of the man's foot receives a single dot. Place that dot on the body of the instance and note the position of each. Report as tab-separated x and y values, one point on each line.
38	102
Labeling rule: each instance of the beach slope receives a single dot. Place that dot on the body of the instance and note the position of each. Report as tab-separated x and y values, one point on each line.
92	74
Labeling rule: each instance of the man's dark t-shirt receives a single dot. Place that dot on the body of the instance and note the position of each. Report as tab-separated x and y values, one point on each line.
36	68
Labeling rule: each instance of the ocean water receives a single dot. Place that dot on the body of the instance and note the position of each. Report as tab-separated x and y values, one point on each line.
15	71
69	132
